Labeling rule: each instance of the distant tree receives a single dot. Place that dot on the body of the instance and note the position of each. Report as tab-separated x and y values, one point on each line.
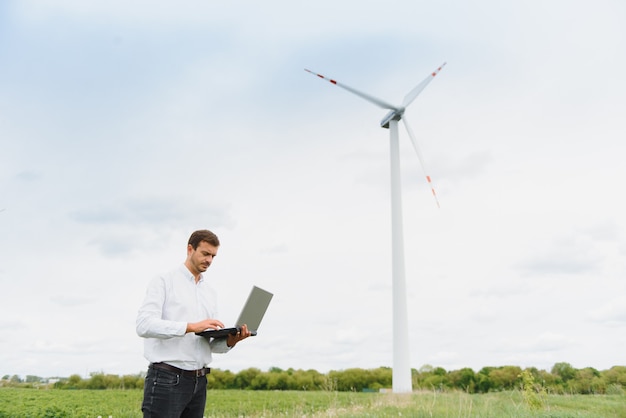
505	378
439	371
243	379
615	375
279	381
419	376
564	370
348	380
97	381
262	381
112	381
74	382
464	379
586	381
132	381
382	378
483	382
308	380
548	381
221	379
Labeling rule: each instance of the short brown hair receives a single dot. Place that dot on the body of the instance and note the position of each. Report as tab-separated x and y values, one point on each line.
203	235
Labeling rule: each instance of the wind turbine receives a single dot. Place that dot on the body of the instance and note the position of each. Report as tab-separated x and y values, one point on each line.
401	375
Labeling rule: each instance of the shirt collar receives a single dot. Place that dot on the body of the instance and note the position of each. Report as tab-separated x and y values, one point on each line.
188	275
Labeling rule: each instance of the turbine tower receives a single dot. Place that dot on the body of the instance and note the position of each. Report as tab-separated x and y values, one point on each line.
401	376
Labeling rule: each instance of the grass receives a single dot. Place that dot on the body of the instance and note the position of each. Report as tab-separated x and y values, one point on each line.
34	403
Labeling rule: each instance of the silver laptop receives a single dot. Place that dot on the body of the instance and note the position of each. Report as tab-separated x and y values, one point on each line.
251	315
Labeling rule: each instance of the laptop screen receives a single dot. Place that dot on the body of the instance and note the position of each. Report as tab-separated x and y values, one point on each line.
254	309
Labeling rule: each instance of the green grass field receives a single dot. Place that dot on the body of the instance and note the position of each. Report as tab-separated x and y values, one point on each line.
51	403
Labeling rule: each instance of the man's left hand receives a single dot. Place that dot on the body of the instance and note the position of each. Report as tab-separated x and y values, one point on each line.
241	335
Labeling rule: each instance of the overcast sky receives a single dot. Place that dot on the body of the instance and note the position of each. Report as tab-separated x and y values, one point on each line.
125	126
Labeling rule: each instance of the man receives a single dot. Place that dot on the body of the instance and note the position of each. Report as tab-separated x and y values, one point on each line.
176	306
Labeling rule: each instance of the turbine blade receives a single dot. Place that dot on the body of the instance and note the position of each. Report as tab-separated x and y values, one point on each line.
378	102
412	95
420	158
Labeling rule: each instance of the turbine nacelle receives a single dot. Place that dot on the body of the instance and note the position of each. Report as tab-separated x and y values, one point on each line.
395	114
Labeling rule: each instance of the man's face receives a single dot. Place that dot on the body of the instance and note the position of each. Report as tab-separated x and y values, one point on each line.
200	259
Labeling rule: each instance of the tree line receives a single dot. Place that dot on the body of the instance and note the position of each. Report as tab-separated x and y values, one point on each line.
563	378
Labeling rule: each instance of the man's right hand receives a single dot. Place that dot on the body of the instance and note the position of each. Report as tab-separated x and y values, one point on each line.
204	325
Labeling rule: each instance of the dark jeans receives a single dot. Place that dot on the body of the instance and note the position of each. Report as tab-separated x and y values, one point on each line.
167	394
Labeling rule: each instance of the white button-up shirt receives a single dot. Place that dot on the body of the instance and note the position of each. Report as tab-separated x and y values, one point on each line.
172	301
